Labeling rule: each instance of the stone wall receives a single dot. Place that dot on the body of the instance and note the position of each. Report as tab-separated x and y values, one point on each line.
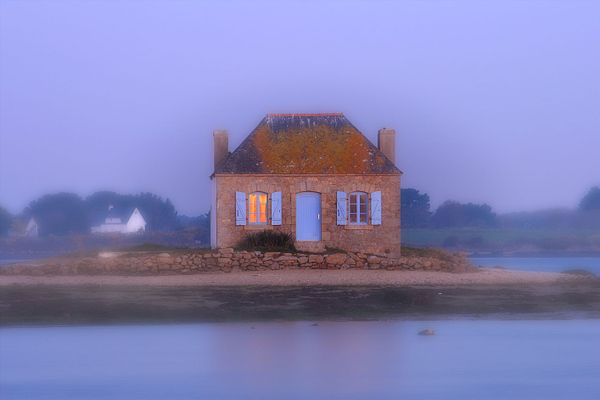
228	260
384	238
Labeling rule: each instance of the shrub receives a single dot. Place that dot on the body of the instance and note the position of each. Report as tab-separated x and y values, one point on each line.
267	241
580	272
427	252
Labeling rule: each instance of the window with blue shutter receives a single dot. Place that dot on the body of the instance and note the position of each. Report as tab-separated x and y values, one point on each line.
358	208
276	208
341	208
240	208
376	208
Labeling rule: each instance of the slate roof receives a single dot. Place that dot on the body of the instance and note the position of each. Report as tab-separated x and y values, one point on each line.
306	144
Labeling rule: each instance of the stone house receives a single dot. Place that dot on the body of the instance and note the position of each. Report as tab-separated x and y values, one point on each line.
312	175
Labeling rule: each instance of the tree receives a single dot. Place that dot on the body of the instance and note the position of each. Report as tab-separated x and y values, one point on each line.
591	201
159	214
200	225
5	221
415	209
59	214
97	204
453	214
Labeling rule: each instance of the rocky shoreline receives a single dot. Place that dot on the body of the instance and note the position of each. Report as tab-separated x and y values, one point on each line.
230	260
227	285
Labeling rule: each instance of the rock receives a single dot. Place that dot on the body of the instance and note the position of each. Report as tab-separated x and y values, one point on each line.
427	332
336	259
164	267
274	266
224	261
288	259
373	260
315	258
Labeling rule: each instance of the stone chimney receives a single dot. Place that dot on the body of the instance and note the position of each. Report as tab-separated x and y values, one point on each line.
386	141
220	146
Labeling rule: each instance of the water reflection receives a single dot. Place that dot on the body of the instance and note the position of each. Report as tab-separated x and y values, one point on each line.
333	360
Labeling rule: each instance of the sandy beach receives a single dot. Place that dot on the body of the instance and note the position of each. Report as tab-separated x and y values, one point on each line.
295	295
486	276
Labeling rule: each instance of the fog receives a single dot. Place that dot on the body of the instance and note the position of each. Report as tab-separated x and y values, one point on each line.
493	101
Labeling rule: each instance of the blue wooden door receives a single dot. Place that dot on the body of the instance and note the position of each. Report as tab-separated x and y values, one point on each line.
308	216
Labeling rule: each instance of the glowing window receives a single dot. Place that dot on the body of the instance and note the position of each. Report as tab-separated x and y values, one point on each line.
257	208
358	208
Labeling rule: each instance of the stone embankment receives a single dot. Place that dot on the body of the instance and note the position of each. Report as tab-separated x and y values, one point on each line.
228	260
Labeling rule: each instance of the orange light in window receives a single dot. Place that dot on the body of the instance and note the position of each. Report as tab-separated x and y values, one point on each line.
263	208
252	208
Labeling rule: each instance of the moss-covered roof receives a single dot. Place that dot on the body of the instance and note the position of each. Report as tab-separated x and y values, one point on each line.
306	144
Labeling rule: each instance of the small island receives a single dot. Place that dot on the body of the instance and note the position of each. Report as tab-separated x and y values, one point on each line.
162	284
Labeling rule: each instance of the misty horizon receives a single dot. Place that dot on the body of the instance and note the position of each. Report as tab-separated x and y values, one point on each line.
124	97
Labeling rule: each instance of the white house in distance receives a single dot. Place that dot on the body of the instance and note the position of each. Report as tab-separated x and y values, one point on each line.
32	228
121	222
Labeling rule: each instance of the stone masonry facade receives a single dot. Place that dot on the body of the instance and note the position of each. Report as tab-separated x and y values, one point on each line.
381	239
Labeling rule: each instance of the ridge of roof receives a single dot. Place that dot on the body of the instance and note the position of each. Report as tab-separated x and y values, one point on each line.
337	114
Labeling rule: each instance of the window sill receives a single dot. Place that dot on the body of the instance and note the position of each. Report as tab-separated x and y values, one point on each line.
359	227
257	227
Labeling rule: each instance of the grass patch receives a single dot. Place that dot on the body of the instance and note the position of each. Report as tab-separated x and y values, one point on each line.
267	241
152	247
426	252
580	272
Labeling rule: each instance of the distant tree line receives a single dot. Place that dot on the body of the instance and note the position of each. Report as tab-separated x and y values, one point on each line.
586	216
5	221
416	213
591	201
67	213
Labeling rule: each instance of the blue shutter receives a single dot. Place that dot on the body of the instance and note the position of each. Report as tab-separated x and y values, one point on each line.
341	208
376	208
240	208
276	208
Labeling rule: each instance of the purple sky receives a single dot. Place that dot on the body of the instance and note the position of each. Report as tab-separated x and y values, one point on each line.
495	101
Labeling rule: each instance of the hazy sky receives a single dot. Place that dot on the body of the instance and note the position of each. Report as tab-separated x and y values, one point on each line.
495	101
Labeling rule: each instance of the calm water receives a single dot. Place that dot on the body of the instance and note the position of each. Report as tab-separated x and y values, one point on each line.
334	360
553	264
